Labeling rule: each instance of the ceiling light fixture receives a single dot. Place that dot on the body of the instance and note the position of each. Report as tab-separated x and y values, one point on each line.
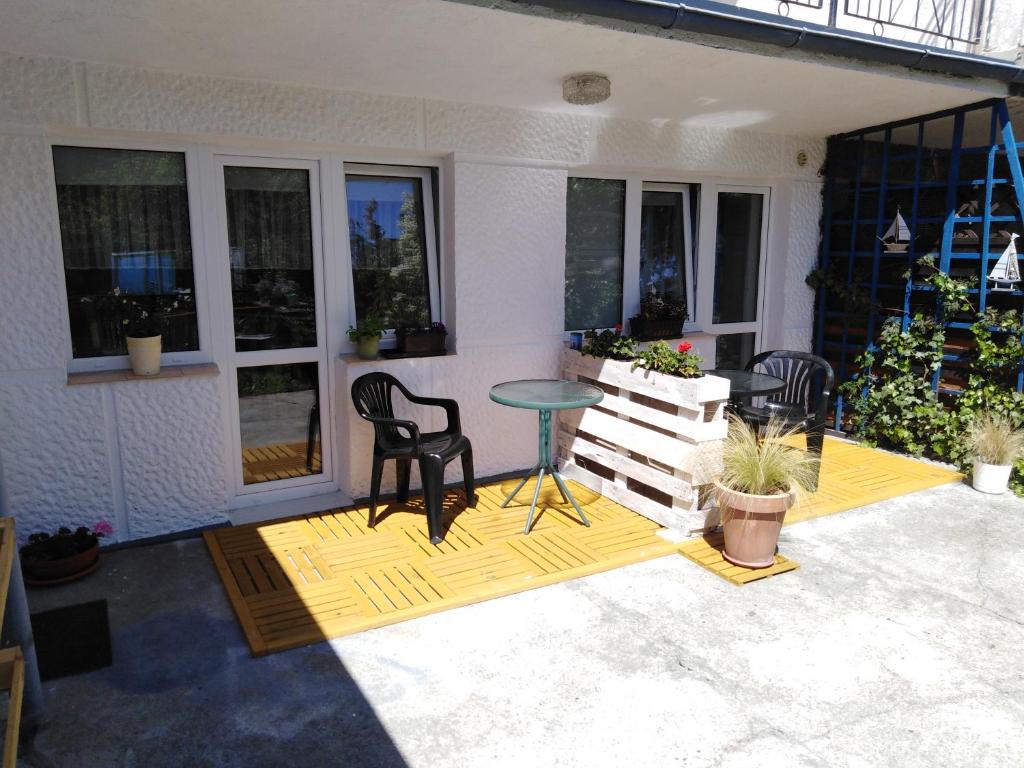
586	88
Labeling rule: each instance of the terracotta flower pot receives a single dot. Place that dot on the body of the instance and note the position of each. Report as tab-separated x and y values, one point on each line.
751	525
144	354
62	569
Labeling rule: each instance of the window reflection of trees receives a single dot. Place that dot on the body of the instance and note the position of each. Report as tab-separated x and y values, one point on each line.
389	256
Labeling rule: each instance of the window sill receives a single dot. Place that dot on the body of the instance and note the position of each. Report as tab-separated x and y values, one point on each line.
125	374
353	359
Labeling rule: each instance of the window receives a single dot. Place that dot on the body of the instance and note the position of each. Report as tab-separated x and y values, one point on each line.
666	256
594	234
738	257
124	226
392	244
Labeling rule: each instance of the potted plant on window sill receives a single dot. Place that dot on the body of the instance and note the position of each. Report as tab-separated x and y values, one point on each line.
142	324
760	480
996	445
661	317
421	340
366	336
63	556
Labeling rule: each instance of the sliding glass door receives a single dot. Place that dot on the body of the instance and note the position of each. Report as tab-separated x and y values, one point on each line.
278	375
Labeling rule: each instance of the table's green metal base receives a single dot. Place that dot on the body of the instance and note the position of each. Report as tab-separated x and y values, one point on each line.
543	465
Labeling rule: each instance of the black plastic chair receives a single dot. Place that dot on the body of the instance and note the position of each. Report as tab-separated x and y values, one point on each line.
400	439
804	401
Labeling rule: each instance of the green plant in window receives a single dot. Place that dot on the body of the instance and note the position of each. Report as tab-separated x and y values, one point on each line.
609	344
367	328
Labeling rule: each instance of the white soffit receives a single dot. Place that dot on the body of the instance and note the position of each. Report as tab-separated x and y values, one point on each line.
454	52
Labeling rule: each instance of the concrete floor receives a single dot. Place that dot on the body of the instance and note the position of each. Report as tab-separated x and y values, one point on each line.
899	642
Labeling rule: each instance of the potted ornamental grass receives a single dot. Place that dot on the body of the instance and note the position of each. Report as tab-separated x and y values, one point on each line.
761	479
996	444
661	317
366	334
68	554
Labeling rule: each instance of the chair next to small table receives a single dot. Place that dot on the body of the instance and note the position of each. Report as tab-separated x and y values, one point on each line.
371	395
803	402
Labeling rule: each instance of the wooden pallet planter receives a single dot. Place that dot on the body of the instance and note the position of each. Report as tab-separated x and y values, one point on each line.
12	663
653	443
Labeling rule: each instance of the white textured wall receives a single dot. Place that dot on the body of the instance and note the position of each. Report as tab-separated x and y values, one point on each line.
149	456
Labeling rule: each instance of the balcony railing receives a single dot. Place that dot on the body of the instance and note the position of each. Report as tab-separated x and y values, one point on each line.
952	20
949	23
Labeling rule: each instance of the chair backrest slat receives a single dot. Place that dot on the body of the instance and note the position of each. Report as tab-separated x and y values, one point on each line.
372	396
809	378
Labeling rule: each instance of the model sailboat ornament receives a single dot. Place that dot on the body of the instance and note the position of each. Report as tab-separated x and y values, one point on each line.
897	236
1006	273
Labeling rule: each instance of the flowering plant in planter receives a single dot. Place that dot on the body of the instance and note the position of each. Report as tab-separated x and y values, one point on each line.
610	344
64	554
660	357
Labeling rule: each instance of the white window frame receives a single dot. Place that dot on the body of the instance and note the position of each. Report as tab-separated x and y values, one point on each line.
706	262
319	354
199	262
636	185
427	195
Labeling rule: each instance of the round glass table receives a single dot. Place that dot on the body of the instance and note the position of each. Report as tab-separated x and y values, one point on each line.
545	396
744	384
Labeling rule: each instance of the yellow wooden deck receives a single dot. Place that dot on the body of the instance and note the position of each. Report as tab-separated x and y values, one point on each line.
854	476
306	579
707	553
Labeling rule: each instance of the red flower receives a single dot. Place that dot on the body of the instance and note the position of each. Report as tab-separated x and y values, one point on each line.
685	346
618	327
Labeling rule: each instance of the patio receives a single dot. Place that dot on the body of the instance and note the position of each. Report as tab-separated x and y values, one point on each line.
890	646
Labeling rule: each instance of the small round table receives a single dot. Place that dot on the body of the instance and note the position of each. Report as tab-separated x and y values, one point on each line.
744	384
545	396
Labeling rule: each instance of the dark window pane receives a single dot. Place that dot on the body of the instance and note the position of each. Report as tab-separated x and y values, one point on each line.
737	257
733	350
662	250
124	225
389	250
278	413
271	251
594	228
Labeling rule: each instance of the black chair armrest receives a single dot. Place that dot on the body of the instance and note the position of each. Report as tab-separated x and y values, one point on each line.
410	426
451	408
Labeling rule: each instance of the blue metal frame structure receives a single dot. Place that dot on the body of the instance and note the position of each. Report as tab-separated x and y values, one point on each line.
860	166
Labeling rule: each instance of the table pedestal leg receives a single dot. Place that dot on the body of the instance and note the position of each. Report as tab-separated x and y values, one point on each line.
545	464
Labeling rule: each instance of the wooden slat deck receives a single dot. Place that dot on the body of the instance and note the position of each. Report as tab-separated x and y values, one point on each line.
278	462
316	577
327	575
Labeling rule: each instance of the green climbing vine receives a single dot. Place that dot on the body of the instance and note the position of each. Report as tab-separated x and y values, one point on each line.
891	401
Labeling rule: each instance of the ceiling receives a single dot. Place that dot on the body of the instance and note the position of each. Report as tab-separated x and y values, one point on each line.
456	52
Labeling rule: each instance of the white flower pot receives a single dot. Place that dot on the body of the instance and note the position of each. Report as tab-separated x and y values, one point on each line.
990	478
144	355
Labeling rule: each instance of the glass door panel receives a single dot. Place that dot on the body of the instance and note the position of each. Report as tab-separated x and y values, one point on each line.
270	245
279	421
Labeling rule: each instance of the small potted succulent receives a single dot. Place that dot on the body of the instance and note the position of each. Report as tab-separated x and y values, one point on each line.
760	480
661	317
996	444
366	336
421	340
62	556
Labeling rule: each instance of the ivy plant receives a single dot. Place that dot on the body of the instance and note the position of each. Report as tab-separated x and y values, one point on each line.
891	401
